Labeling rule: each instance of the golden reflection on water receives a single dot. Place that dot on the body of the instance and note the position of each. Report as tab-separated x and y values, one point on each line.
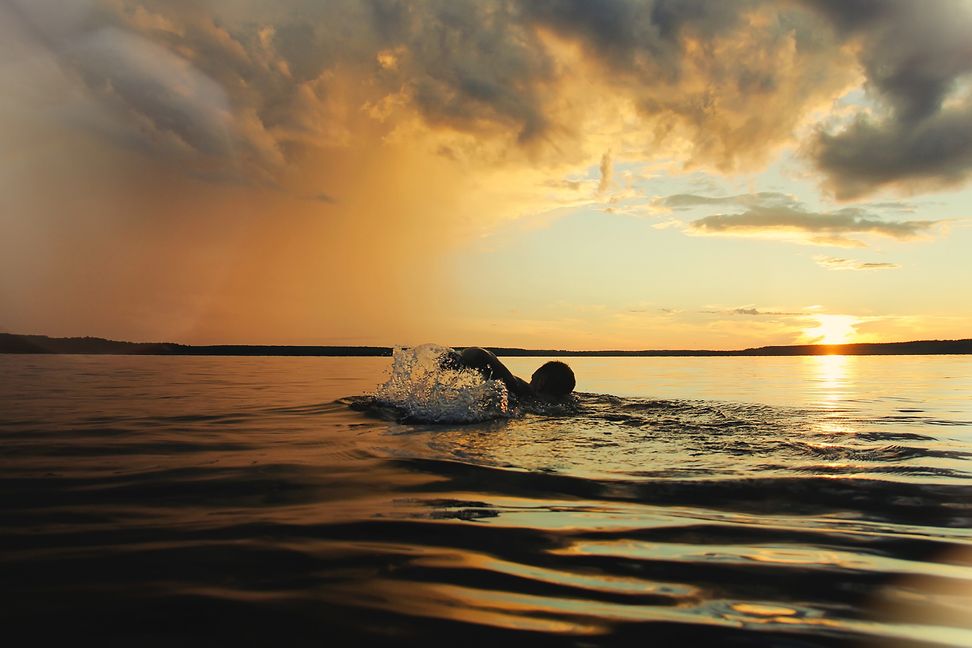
763	610
938	600
571	613
516	610
590	580
769	554
832	377
285	458
470	605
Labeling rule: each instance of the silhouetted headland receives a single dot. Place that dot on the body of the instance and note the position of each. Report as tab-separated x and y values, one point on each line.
12	343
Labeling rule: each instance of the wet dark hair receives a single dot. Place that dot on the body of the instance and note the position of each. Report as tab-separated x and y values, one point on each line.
554	379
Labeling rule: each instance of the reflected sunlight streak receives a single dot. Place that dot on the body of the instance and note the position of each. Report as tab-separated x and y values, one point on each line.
832	377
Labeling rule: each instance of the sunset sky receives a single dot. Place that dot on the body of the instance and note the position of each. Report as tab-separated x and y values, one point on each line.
555	174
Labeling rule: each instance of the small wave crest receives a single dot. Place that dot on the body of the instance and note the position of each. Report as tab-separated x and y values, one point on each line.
425	390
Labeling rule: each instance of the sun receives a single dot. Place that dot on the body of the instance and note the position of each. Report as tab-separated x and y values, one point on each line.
832	329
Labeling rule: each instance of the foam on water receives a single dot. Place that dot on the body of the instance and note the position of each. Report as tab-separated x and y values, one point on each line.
424	390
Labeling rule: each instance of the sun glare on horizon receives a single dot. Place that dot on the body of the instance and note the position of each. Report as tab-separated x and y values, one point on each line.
833	329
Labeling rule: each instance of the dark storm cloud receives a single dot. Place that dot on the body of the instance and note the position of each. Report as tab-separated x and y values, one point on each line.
464	65
470	63
851	15
826	228
914	55
264	79
869	154
733	78
913	51
141	78
726	81
635	34
154	98
479	61
469	66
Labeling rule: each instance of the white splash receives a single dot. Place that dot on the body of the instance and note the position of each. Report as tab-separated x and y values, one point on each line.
426	391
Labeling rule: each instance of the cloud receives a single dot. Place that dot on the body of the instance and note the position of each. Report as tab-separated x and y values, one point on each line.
837	263
904	207
682	202
912	52
432	120
158	99
323	198
727	81
820	228
915	56
718	84
871	154
605	169
752	311
472	67
573	185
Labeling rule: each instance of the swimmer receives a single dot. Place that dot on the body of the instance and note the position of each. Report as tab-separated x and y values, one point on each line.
553	382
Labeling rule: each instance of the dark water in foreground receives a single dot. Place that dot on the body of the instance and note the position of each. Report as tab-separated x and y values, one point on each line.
713	501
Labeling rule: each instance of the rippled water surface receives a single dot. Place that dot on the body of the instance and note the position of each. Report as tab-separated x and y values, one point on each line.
268	501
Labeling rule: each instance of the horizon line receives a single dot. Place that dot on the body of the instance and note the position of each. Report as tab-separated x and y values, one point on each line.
35	343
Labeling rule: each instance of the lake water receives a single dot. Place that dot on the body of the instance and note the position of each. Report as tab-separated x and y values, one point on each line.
715	501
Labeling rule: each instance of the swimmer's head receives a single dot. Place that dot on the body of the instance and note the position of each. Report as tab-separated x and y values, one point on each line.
554	380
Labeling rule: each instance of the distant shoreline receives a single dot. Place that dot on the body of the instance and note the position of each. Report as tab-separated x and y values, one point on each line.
41	344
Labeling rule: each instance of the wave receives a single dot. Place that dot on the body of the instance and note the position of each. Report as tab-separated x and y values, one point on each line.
497	554
380	520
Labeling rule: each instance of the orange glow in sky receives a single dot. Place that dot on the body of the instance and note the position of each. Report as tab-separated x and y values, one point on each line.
489	173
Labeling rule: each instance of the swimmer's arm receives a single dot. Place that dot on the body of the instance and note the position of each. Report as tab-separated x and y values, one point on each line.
487	364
